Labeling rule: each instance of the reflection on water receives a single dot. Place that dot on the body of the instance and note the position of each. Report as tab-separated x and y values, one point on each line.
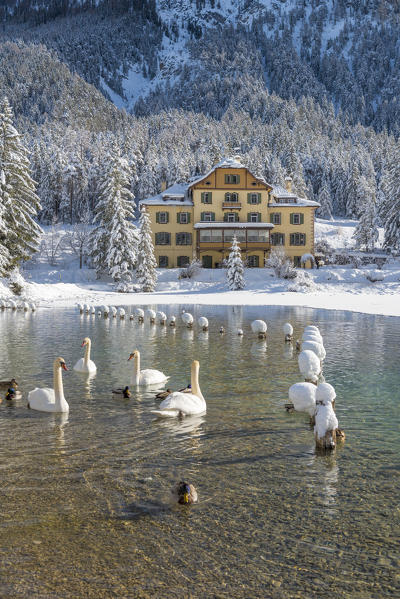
86	506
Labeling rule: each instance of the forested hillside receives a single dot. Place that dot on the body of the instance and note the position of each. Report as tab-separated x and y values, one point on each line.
307	88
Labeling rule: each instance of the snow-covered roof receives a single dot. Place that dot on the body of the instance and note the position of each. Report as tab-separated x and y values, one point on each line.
280	192
173	196
283	194
225	225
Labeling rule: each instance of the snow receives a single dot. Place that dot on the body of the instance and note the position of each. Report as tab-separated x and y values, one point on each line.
225	225
334	288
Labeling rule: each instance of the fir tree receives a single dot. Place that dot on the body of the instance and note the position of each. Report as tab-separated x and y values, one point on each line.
391	208
366	233
114	239
146	270
20	202
324	198
235	268
4	254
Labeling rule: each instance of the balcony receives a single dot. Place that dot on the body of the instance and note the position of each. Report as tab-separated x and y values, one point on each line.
231	205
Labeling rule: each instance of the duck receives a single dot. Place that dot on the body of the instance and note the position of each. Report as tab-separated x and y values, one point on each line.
85	364
13	394
50	400
185	493
125	392
184	404
164	394
5	385
149	376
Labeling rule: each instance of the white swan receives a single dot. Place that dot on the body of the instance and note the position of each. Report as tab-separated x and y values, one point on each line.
50	400
85	364
185	404
203	323
149	376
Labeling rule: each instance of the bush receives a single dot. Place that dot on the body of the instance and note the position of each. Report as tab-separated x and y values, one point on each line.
17	282
374	276
191	270
281	264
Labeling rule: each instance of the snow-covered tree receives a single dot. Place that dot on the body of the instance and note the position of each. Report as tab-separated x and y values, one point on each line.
20	202
114	239
391	208
235	268
324	198
366	233
4	253
146	273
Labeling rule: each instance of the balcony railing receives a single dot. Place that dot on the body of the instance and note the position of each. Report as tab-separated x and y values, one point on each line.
231	205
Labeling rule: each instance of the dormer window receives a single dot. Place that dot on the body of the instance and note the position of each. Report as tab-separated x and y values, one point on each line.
234	179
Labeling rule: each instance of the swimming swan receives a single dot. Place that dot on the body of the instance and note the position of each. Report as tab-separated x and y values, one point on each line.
149	376
85	364
50	400
184	404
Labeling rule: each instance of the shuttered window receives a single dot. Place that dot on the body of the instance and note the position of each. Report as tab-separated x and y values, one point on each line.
206	197
275	218
183	218
297	239
207	217
296	218
183	261
253	261
254	217
254	198
277	239
235	179
231	217
162	218
163	261
183	239
163	238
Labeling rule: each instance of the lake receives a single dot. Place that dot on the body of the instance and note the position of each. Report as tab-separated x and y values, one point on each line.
86	508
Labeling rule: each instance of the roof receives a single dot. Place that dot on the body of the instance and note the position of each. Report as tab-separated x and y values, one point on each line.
227	163
280	192
177	196
225	225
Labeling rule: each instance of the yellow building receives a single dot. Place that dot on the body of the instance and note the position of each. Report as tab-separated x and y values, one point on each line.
199	219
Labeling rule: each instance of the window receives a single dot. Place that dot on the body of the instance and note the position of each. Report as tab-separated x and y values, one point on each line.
183	218
277	238
253	261
213	235
254	217
162	218
207	217
231	197
183	239
254	198
163	261
232	179
163	238
297	239
182	261
257	236
206	197
240	235
208	182
296	218
275	218
231	217
297	261
254	183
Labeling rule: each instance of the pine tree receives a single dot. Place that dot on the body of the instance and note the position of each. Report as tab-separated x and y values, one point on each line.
391	211
366	233
235	271
146	270
114	239
4	253
324	198
20	202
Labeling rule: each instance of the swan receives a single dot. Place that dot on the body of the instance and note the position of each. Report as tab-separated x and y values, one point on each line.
172	321
187	319
309	365
203	323
149	376
259	327
85	364
121	313
50	400
151	315
303	397
288	331
139	314
161	317
184	404
185	493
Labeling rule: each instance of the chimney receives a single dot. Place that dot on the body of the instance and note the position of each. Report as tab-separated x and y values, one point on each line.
288	184
163	185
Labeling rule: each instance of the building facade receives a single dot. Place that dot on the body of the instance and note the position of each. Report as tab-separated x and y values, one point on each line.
199	219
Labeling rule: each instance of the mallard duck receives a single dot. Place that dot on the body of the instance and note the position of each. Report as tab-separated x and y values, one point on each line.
163	394
125	392
13	394
7	384
186	493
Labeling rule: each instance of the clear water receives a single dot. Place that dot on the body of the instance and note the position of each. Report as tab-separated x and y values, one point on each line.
86	509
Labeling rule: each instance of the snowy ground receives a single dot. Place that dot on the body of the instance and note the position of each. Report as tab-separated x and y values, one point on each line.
63	284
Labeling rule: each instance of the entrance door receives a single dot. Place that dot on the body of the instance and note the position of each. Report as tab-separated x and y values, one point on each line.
206	261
